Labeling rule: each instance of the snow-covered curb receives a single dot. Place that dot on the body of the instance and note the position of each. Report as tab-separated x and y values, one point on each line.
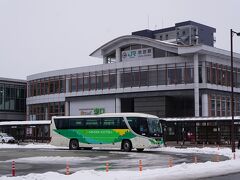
181	171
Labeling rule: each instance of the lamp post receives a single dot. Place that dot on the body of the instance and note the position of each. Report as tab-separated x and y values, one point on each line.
232	104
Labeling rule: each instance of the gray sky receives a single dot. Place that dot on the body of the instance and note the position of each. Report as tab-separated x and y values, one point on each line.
43	35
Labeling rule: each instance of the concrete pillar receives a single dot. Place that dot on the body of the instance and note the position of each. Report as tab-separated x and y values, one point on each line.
104	60
205	105
27	112
46	113
118	55
204	79
67	104
196	85
67	85
117	105
118	78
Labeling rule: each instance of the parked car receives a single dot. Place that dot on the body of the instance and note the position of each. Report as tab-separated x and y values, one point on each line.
5	138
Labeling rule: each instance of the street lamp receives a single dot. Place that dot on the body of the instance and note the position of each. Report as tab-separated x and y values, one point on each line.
232	105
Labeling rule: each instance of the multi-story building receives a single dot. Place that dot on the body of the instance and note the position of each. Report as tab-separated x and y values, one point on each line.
12	99
172	72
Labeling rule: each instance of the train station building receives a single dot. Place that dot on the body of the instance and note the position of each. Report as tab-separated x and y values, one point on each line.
171	72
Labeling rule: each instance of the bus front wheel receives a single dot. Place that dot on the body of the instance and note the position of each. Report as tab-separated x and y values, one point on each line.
73	144
126	146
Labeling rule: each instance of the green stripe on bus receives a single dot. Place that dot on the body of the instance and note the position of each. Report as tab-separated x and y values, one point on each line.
97	136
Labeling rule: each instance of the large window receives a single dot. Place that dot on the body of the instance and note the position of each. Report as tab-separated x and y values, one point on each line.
92	123
12	97
46	110
77	123
113	123
62	123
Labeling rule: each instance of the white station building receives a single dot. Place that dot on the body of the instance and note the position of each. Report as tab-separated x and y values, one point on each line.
171	72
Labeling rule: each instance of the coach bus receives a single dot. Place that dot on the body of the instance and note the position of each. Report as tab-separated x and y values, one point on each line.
125	131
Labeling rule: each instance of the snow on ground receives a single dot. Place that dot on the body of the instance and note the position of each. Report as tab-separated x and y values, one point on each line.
30	146
50	160
181	171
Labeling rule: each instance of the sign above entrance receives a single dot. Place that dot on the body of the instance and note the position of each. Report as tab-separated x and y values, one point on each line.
92	111
138	53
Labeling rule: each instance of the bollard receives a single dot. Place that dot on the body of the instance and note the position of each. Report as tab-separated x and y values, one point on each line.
67	169
13	168
170	162
107	166
218	147
195	159
234	156
140	165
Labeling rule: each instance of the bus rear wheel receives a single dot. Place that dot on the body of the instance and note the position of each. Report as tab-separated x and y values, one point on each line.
126	146
73	144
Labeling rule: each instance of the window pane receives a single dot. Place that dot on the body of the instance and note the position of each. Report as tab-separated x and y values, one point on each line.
62	123
93	123
113	123
76	123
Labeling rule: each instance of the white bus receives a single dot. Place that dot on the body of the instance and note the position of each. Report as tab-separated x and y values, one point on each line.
125	131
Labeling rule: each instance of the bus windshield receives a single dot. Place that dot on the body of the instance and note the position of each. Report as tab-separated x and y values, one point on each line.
150	127
154	126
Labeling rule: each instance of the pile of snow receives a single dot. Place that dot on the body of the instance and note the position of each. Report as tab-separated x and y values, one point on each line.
206	150
181	171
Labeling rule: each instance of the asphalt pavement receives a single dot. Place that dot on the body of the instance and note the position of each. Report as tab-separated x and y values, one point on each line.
44	160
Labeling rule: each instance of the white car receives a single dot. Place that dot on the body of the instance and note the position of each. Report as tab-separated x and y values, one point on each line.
5	138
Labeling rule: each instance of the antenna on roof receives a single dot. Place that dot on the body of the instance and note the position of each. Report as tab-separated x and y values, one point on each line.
148	22
162	23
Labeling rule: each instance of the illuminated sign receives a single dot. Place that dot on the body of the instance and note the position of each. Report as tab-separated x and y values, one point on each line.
138	53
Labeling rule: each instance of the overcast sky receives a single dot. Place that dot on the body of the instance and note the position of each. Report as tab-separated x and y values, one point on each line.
43	35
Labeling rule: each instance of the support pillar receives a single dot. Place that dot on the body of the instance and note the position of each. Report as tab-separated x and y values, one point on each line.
204	79
105	60
205	105
117	105
196	85
67	104
118	55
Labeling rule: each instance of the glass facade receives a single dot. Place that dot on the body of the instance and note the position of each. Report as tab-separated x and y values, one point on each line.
12	97
220	104
46	110
154	75
220	74
51	85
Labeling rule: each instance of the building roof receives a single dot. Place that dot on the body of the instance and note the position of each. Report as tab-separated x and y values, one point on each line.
2	79
180	49
132	39
227	118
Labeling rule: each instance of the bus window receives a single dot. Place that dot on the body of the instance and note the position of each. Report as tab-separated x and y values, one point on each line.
155	127
62	123
92	123
113	123
134	124
143	126
77	123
